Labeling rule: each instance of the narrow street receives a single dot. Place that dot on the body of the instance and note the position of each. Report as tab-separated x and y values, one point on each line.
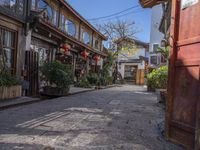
120	118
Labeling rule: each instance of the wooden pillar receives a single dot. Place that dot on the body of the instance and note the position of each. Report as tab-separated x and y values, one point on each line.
87	65
92	38
79	31
138	77
74	64
172	58
142	77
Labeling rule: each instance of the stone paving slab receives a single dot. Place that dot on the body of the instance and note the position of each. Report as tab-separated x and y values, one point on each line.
119	118
4	104
76	90
18	101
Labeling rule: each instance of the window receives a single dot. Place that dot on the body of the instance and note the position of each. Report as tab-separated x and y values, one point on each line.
16	6
155	47
86	38
42	4
12	3
33	4
48	15
153	60
9	47
96	42
21	7
70	27
8	3
62	27
55	18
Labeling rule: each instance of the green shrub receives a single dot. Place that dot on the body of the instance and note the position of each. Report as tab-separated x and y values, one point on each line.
84	83
6	79
93	78
157	79
56	73
109	80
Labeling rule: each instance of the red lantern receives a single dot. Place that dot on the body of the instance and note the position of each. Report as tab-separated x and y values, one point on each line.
85	54
96	58
66	48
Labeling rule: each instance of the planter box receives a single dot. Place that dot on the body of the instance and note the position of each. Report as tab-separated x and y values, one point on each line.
54	91
10	92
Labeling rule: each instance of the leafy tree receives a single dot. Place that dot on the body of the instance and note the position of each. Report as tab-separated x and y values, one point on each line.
164	52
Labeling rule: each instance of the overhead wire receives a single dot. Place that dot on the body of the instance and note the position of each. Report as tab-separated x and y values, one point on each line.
117	17
115	14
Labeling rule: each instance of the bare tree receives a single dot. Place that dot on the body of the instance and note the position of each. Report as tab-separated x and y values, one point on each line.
118	30
116	33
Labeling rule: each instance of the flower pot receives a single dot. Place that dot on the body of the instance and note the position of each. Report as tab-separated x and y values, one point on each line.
10	92
55	91
161	95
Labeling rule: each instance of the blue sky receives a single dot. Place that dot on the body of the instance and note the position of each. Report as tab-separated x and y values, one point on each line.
98	8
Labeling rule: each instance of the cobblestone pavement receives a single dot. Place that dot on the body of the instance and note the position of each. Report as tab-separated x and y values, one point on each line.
120	118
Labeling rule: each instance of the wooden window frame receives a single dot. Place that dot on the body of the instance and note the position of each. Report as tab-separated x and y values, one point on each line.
13	68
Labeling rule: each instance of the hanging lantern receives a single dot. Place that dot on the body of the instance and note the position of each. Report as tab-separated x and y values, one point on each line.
96	58
65	48
85	54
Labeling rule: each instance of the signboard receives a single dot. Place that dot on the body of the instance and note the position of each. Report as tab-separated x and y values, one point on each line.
188	3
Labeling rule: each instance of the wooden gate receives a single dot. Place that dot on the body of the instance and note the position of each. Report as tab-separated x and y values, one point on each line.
183	105
31	62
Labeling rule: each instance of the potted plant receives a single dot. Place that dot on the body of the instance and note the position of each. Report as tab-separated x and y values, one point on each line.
57	78
157	81
83	83
10	87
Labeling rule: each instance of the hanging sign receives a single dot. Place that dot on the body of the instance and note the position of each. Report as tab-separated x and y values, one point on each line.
188	3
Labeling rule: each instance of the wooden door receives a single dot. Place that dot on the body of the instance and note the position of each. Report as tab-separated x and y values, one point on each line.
32	61
183	105
130	73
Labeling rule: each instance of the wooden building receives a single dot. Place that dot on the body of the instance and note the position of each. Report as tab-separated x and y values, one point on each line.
35	31
183	103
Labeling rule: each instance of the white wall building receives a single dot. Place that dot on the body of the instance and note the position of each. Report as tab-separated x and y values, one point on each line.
155	36
132	60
